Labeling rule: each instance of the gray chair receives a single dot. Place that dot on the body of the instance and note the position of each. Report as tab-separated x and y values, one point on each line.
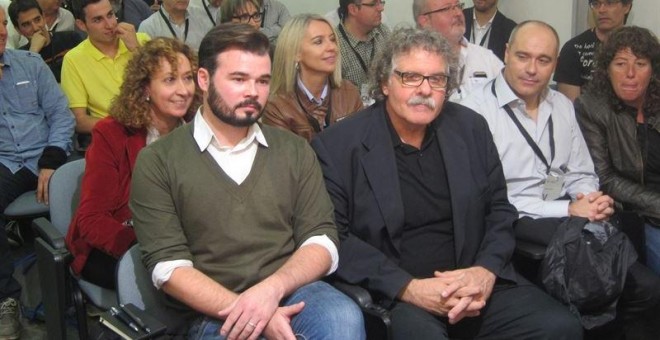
134	286
58	284
26	206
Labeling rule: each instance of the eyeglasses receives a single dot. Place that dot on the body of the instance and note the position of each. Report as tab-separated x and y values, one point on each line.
257	16
459	6
607	3
373	4
412	79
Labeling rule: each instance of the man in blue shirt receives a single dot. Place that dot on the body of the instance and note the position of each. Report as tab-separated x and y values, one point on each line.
36	126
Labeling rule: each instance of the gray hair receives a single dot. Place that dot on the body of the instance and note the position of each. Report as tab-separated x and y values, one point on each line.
403	40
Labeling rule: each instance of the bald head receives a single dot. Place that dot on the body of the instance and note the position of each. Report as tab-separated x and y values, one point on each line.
534	26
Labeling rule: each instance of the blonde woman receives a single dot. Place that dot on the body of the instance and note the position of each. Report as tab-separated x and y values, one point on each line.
307	91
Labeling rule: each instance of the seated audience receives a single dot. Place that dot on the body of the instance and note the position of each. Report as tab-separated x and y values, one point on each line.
307	91
487	27
131	11
476	64
276	16
158	91
232	217
421	206
93	71
242	11
619	114
362	36
177	20
35	135
549	174
27	18
577	55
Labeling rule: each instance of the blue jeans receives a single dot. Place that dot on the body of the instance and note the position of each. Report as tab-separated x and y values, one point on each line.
328	314
652	234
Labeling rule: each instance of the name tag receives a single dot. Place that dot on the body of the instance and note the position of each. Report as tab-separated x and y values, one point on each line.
552	187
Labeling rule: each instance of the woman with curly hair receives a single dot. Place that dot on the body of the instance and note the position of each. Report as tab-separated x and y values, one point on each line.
158	91
619	115
307	91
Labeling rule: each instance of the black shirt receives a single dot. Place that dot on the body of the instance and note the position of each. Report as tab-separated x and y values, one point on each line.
649	140
427	241
53	53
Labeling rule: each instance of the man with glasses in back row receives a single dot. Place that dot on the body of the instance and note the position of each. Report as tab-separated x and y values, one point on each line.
577	55
476	64
175	19
421	206
361	36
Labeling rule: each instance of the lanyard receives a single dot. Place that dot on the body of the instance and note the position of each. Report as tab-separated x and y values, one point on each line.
313	121
208	12
528	138
167	22
483	39
360	60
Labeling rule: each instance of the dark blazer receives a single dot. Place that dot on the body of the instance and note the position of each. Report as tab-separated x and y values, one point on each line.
359	167
98	222
499	33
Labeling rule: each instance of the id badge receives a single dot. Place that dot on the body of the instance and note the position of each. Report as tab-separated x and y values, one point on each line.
364	95
552	187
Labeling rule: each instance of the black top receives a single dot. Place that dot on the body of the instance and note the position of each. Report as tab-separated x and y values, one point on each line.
427	242
648	138
53	53
576	59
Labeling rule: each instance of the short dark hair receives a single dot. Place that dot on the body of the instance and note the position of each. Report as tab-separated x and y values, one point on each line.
78	7
17	7
643	44
343	8
623	2
230	35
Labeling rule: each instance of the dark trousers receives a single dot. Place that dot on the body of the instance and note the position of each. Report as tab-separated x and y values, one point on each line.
513	311
11	186
639	305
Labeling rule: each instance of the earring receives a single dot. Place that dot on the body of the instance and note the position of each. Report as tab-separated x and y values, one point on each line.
148	99
297	66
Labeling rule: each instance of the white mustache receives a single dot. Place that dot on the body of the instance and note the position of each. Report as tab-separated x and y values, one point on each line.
419	100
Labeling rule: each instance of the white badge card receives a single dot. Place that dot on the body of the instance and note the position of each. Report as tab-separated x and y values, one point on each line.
552	187
364	95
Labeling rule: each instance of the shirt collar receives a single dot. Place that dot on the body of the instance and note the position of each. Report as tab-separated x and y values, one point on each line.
505	94
476	23
204	137
169	17
310	96
98	55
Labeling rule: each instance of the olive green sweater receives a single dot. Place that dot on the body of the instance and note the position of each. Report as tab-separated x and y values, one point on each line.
186	207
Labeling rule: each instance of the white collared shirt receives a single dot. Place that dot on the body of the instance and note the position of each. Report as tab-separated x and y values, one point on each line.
479	31
310	96
525	173
236	162
478	65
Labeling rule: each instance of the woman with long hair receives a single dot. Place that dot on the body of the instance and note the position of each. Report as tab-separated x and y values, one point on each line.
307	90
158	92
619	115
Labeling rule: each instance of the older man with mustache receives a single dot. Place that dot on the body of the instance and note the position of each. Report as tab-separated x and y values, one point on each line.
421	208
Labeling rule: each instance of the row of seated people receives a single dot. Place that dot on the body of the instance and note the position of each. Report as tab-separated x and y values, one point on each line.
320	120
580	179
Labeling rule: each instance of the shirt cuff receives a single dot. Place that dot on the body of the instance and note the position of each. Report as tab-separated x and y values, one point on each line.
558	208
163	271
325	242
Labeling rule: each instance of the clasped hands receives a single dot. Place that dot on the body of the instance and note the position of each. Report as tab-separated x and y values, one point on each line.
455	294
257	311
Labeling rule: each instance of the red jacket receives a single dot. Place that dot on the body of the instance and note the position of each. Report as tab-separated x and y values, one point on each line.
98	222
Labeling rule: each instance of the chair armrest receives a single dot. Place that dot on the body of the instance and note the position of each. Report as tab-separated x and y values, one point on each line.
49	233
358	294
530	250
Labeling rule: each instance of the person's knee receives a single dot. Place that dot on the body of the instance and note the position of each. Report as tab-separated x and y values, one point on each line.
345	317
560	324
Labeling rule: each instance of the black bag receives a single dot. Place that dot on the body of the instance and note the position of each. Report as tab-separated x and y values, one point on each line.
585	268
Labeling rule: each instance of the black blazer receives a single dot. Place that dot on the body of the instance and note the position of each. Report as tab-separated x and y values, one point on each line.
499	33
359	167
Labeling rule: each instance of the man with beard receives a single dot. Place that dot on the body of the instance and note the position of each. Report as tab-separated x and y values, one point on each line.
577	55
476	64
232	217
487	27
421	206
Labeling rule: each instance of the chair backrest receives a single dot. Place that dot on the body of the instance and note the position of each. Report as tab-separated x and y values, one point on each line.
64	193
134	286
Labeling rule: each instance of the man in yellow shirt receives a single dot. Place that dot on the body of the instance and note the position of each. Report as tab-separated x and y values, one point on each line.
93	71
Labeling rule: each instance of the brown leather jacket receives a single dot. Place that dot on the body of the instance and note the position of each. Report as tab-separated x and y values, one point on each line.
612	140
284	110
